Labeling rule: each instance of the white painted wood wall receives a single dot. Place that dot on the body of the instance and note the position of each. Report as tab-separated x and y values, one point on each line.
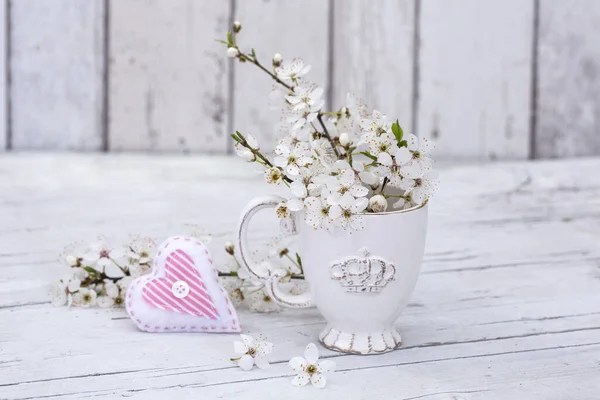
488	79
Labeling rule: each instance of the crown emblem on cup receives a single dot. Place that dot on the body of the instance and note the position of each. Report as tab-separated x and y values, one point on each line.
364	273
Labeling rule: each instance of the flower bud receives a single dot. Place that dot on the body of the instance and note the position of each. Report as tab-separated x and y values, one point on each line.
71	260
229	248
378	203
344	139
277	60
237	26
232	52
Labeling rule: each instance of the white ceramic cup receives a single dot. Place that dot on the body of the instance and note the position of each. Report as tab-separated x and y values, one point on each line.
359	280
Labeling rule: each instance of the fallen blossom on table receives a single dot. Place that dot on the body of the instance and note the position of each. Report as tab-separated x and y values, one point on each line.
310	369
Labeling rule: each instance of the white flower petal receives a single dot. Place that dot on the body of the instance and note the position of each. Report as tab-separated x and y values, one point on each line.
347	178
340	165
301	379
427	146
346	201
293	170
312	203
335	212
280	161
368	177
298	189
399	204
412	169
385	159
402	155
359	205
247	340
326	366
239	347
264	347
426	164
311	353
246	362
318	380
295	204
359	191
252	141
262	362
358	166
412	141
298	364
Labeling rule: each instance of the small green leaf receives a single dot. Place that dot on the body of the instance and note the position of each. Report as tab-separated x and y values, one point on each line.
397	131
367	154
90	270
230	39
222	41
252	53
298	259
403	143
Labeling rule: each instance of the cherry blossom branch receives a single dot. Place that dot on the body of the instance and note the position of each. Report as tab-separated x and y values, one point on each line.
254	60
326	133
239	138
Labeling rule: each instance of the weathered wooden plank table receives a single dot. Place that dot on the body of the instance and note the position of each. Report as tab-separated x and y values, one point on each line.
507	306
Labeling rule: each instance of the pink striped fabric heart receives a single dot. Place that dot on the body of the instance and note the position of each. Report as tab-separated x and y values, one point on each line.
183	293
181	277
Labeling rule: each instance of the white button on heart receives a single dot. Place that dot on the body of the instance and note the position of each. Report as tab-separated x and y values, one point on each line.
180	289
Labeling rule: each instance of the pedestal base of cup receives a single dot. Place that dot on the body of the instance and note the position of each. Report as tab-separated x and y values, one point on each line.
360	342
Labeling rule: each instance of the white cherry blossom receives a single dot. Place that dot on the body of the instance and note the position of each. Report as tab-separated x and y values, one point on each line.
384	143
376	123
299	190
300	121
346	212
101	254
422	188
310	369
317	214
253	352
291	71
282	211
291	159
273	176
414	158
343	183
306	98
84	298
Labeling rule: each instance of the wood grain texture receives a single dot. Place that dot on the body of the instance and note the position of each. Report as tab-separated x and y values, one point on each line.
508	294
168	75
374	54
295	29
475	77
57	67
568	122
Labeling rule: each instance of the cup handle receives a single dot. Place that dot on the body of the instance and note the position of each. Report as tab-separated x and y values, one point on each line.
271	279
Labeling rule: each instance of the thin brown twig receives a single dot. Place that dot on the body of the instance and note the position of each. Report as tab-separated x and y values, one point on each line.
326	133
